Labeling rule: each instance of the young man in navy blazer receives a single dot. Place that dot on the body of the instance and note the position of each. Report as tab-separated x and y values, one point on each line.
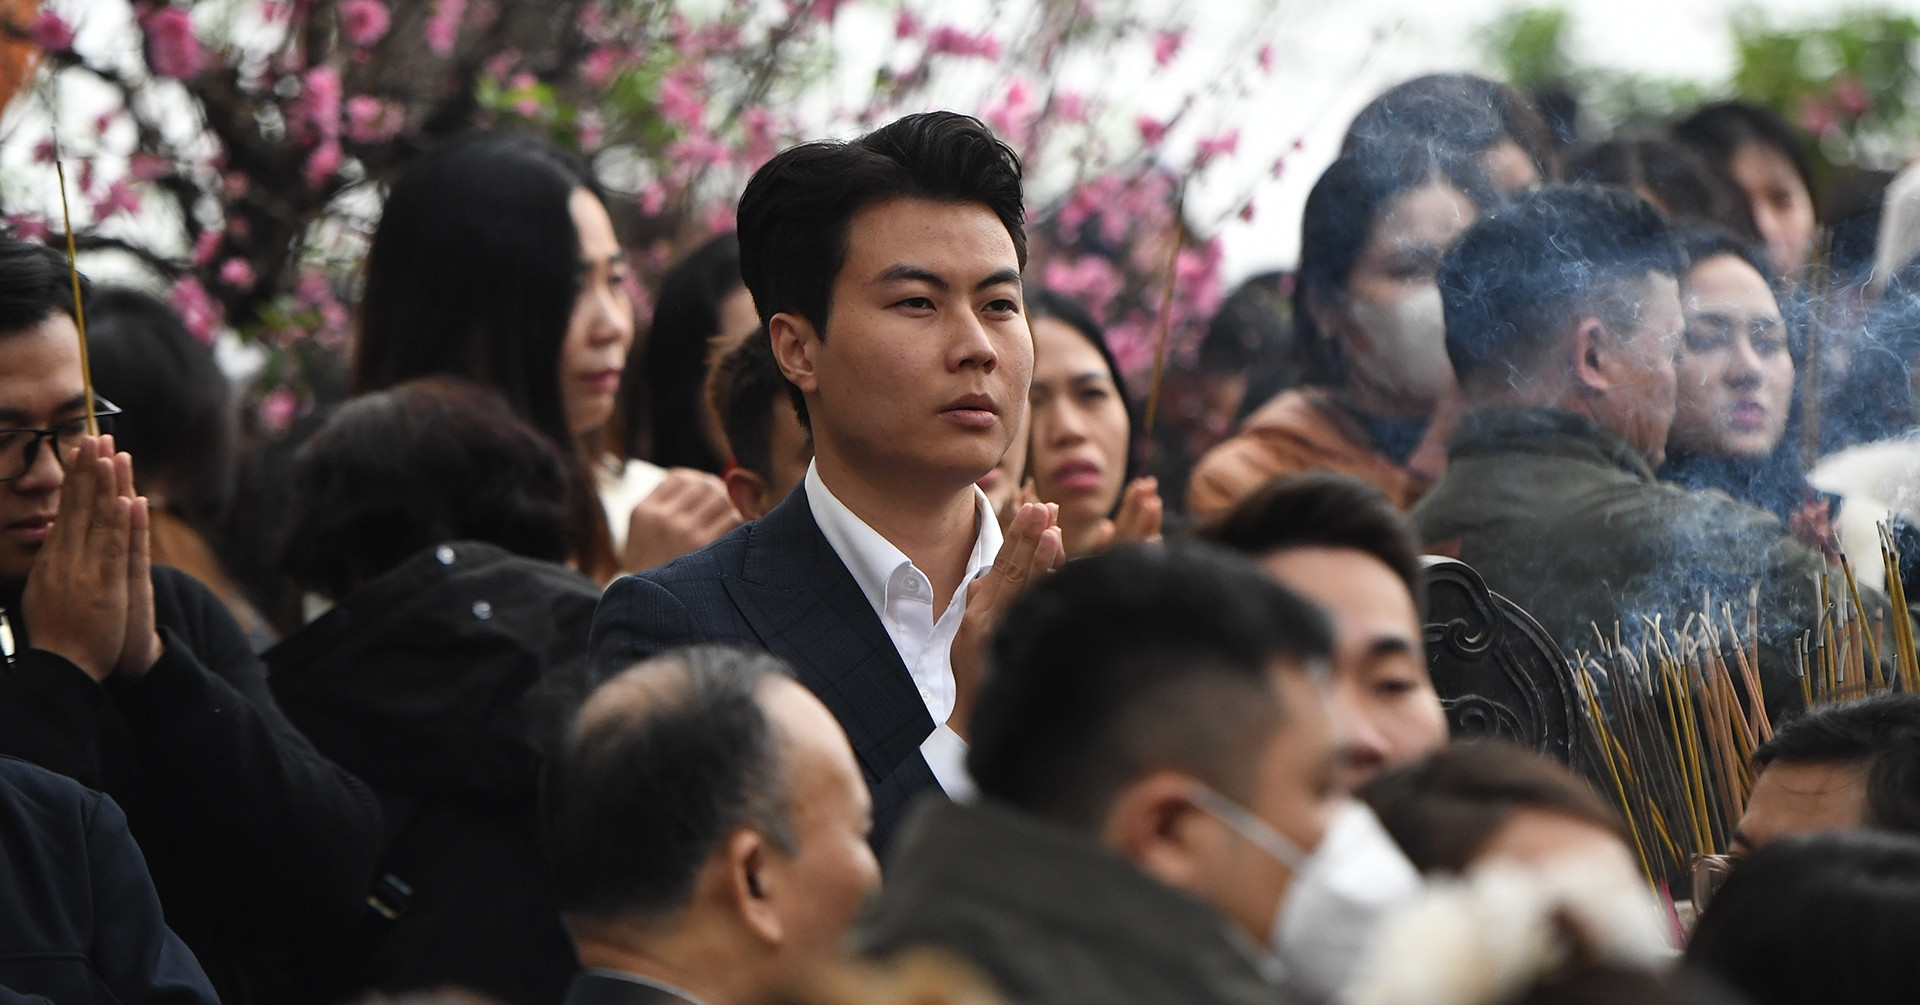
886	271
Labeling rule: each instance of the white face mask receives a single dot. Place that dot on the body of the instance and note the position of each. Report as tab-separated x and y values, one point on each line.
1340	894
1408	353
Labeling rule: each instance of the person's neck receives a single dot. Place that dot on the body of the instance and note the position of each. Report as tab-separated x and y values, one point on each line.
935	526
701	967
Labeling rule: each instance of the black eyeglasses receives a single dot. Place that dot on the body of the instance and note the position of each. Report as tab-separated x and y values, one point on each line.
19	448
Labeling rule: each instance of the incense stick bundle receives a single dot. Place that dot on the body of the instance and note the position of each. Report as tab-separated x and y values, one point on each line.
1673	719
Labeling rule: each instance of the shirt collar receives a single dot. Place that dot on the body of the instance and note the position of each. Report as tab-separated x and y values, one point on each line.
871	558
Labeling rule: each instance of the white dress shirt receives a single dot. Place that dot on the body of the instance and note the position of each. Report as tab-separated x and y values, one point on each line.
902	596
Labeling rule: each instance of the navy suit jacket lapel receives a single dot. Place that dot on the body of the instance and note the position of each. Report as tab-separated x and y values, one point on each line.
802	603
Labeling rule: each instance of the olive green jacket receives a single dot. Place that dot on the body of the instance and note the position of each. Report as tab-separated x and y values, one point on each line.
1052	917
1567	520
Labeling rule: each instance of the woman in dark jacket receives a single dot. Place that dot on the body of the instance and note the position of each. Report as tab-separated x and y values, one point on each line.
436	522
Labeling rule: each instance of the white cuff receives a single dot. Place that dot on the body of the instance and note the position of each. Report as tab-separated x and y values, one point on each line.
946	754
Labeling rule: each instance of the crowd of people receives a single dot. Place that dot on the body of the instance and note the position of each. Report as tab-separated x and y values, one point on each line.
847	636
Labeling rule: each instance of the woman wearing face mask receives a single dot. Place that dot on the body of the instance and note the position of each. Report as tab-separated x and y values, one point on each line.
1080	432
495	261
1380	392
1735	386
1758	156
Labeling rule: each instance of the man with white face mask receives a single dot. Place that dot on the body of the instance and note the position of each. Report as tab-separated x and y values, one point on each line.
1156	764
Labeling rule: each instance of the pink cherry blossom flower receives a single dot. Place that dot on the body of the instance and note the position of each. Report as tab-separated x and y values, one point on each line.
50	33
719	219
364	22
601	64
1817	117
311	290
1246	213
172	48
320	100
43	151
28	228
1013	112
653	199
760	145
906	25
120	198
680	102
148	167
1215	146
237	272
205	245
323	162
1166	45
1851	96
443	28
588	130
1265	58
697	150
234	185
198	311
1070	107
951	41
373	120
278	408
1152	130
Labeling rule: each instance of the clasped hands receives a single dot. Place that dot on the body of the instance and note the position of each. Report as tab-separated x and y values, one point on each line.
89	597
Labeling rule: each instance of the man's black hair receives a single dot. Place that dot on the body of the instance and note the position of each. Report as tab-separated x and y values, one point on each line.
1146	657
1515	281
744	387
795	212
639	796
1322	510
35	284
1881	734
1828	918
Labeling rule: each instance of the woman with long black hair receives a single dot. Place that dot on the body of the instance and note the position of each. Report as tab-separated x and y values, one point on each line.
495	260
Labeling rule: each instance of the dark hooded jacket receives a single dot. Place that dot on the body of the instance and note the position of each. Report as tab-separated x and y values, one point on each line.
258	846
1052	917
442	684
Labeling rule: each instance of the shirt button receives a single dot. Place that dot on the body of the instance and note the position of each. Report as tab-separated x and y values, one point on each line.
926	694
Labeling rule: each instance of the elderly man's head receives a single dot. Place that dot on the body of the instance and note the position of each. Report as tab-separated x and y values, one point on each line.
707	825
1570	297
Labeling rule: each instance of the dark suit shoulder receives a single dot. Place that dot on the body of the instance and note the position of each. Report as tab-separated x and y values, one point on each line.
608	989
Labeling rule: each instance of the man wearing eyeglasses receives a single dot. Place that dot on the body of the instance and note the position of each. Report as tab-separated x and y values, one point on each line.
136	681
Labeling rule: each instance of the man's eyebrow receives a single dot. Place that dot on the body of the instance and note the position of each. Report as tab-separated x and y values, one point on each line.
997	278
1389	645
13	417
904	273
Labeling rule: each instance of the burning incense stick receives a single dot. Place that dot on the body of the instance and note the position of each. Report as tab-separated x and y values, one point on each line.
79	309
1166	309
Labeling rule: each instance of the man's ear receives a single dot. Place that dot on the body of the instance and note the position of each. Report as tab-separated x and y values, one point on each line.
749	885
1154	824
794	343
1592	356
748	491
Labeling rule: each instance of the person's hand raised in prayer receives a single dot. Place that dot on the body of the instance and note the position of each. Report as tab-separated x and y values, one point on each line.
1032	548
89	597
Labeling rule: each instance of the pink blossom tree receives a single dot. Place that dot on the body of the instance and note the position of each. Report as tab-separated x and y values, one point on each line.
251	140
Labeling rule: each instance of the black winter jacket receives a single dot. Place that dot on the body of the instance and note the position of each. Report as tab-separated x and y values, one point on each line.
258	846
441	684
80	923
